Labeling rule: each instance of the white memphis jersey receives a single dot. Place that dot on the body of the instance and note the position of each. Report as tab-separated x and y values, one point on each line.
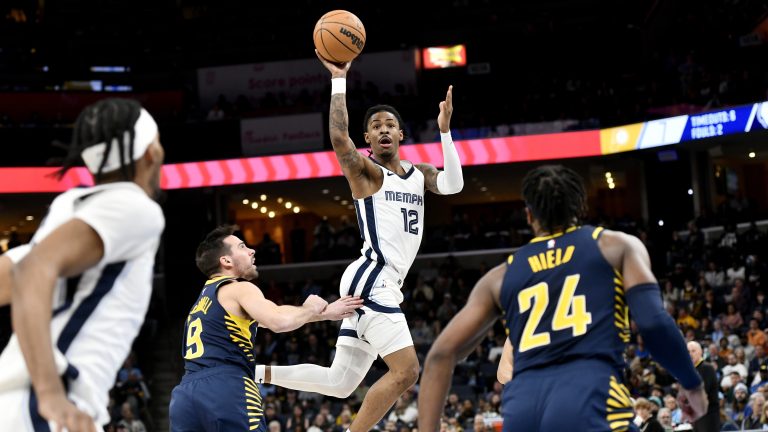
392	220
97	314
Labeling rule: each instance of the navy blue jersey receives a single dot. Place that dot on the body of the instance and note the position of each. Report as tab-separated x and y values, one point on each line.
214	337
564	302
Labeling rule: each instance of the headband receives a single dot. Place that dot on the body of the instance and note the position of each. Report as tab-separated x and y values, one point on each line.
144	133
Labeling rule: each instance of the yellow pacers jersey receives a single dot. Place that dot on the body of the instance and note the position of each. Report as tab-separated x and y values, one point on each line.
214	337
564	302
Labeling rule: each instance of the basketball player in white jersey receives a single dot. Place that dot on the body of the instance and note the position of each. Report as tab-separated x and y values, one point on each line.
80	289
389	199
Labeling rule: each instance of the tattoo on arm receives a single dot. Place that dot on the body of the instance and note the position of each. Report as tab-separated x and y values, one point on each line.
430	177
339	119
351	161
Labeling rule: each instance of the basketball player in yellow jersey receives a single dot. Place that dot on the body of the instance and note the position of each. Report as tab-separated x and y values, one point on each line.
566	297
217	392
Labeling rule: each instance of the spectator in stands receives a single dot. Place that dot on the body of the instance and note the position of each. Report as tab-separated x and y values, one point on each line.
297	419
739	296
714	276
422	334
755	411
422	295
129	421
452	406
645	419
688	293
130	385
670	403
344	420
733	319
318	424
761	378
735	271
497	388
314	352
671	294
734	366
405	411
711	308
271	415
740	403
478	424
685	320
665	419
275	426
741	357
467	415
446	310
761	305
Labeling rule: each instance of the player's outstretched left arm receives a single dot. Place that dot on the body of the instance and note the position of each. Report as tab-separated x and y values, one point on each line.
460	337
341	308
450	180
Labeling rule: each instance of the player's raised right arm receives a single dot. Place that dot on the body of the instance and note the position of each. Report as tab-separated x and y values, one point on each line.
356	168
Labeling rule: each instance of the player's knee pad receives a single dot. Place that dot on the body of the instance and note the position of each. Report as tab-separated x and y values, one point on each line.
345	381
348	370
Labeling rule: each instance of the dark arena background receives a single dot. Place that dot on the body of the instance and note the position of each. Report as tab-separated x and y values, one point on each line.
660	105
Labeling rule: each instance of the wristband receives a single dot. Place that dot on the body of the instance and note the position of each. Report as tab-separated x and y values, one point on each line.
338	86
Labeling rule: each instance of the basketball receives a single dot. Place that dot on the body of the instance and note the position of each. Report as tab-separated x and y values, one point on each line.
339	36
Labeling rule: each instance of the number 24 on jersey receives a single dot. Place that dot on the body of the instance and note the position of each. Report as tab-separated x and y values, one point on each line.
571	312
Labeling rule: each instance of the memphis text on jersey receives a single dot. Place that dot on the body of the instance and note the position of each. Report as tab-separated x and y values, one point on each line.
404	197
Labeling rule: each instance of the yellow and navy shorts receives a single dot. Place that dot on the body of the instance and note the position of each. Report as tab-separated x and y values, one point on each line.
219	399
585	395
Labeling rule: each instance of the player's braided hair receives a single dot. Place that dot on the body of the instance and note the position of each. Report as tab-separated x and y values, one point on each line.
555	196
379	108
102	122
212	248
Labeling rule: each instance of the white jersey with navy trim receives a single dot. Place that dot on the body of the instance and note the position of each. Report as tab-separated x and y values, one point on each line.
97	314
391	226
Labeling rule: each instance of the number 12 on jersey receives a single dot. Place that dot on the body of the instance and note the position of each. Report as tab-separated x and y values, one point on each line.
410	219
571	312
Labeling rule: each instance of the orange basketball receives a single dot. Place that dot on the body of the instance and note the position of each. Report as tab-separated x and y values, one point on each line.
339	36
